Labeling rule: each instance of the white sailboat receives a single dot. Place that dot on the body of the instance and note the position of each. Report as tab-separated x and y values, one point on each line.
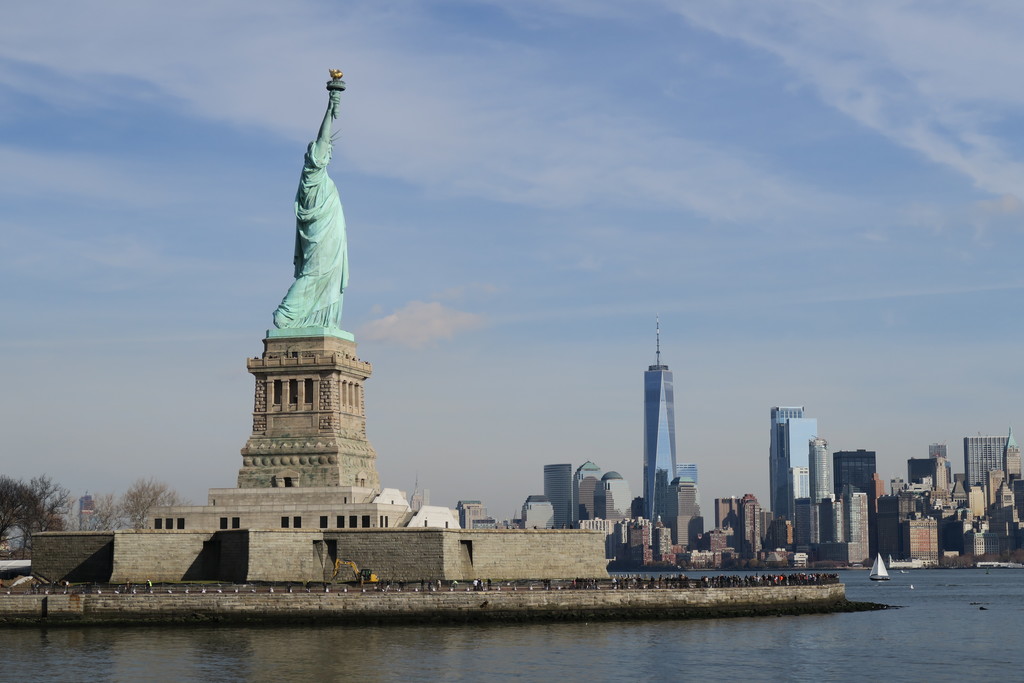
878	572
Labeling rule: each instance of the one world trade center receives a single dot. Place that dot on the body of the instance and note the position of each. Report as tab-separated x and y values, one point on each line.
659	436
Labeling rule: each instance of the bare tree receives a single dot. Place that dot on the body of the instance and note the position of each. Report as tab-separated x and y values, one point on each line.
107	513
72	520
144	495
45	507
12	506
29	508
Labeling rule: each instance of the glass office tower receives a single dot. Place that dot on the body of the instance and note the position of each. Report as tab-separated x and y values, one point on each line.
687	471
791	433
659	438
819	469
799	483
854	468
558	490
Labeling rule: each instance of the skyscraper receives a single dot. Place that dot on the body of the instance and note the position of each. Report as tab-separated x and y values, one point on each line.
684	512
1011	458
86	510
748	534
824	514
538	513
819	469
803	511
983	454
558	490
994	480
830	520
790	434
799	485
919	469
854	468
938	452
855	524
584	487
659	436
687	471
469	512
887	529
875	491
727	512
613	497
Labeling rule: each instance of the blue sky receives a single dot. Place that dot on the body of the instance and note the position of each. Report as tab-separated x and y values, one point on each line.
822	200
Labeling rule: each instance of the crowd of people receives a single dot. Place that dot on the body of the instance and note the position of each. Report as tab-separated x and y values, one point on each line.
681	581
637	582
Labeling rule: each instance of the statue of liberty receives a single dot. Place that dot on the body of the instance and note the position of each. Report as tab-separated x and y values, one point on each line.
321	248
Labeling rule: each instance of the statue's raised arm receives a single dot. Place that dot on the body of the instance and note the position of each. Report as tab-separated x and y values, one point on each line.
313	302
323	139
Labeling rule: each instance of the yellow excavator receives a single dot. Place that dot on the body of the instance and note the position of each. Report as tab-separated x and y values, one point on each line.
357	575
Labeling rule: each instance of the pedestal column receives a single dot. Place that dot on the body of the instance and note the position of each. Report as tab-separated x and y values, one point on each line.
310	443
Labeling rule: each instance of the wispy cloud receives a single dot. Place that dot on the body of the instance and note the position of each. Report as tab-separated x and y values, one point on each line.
420	323
1007	205
929	76
498	126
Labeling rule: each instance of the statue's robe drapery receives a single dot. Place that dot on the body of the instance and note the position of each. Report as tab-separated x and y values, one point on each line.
321	250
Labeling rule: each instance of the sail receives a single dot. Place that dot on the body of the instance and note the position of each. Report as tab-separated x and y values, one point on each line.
878	571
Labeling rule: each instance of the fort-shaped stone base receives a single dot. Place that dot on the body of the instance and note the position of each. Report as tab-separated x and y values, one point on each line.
300	555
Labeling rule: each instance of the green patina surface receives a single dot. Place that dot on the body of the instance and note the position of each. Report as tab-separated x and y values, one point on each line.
314	299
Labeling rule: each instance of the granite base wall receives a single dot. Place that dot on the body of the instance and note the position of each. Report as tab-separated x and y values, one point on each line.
516	554
414	554
299	555
73	556
288	555
529	553
357	607
145	555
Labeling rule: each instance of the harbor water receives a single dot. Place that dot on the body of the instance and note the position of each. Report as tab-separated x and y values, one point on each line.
949	624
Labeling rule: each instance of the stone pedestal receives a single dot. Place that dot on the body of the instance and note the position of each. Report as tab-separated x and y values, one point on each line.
308	420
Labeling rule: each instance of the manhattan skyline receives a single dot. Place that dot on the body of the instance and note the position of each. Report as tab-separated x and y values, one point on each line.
822	202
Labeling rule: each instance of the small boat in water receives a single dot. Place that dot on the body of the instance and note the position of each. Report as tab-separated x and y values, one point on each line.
878	572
